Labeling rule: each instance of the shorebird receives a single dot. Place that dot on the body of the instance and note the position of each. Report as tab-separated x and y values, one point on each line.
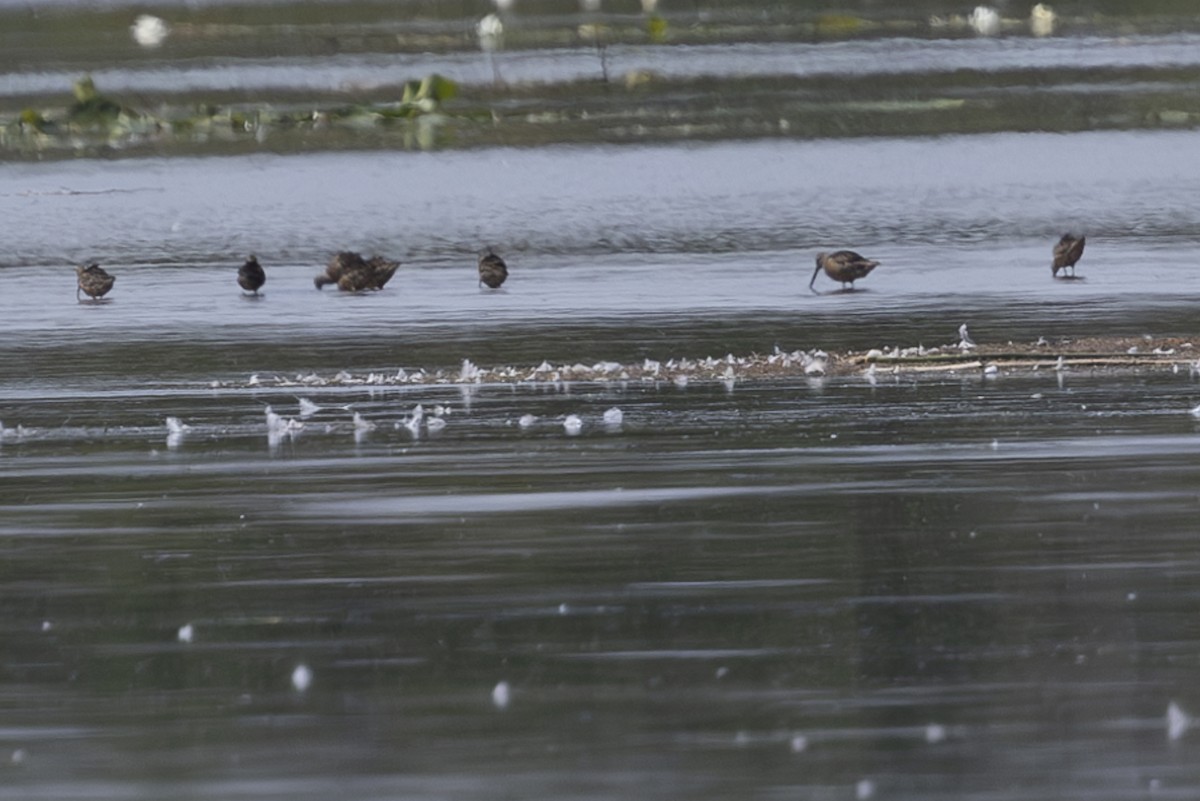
1066	253
93	281
843	265
492	270
352	274
251	276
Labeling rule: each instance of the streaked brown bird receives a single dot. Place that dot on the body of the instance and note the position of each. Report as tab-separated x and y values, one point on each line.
1066	253
843	265
492	270
93	281
352	273
251	276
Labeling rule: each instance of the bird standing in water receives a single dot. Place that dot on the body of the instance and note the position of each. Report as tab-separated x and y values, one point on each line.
352	273
1066	253
843	265
492	270
251	276
93	281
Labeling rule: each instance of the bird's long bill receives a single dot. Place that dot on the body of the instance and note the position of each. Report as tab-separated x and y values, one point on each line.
816	272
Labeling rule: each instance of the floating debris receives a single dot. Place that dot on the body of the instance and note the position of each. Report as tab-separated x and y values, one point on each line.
279	426
490	32
413	421
302	678
527	420
964	338
613	417
1090	352
815	363
1042	20
308	408
149	31
1178	722
984	21
572	424
176	429
501	695
186	633
469	372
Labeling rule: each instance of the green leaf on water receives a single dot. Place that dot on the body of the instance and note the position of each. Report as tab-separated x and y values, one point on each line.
656	27
838	24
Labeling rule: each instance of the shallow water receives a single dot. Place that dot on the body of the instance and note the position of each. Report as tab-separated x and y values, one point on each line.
921	588
855	59
945	588
887	586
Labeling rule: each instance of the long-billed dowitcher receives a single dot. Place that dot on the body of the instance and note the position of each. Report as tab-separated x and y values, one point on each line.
492	270
94	281
1066	253
352	273
251	276
843	265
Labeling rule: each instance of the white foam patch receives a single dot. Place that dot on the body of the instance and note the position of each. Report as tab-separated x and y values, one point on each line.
302	678
501	695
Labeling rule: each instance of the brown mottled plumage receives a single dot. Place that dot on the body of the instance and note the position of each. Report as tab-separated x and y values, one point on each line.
251	276
352	274
1066	253
492	270
93	281
843	265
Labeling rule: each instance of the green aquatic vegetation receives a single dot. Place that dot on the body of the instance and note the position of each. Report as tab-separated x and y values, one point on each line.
94	120
93	110
839	25
656	28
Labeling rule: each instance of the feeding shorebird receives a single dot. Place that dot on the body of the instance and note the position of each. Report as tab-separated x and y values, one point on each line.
251	276
843	265
1066	253
94	281
352	274
492	270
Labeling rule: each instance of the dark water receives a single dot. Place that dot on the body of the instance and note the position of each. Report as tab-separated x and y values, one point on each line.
891	587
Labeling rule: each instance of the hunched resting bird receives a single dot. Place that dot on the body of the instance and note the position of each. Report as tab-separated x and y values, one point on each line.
843	265
1066	253
492	270
352	274
251	276
94	281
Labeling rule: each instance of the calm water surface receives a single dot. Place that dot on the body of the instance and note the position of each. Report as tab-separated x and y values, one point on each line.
946	587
